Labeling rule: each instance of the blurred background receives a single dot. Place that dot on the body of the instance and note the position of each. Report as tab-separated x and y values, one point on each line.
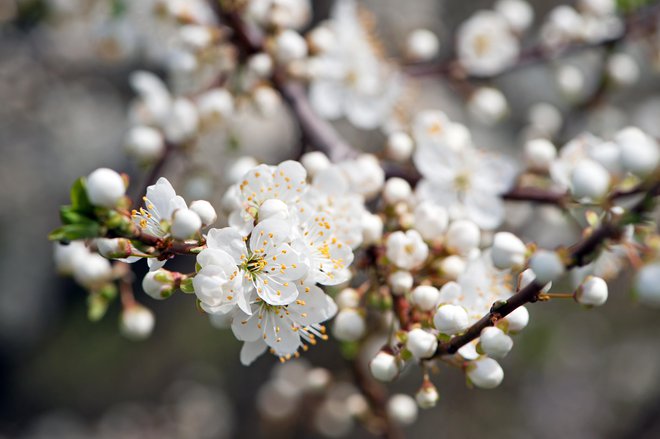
64	94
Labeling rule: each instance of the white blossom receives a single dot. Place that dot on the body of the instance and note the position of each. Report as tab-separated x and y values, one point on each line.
592	292
425	297
92	270
205	211
639	151
485	373
314	162
623	69
647	285
517	319
430	220
421	344
518	13
421	45
136	322
406	250
158	284
546	265
145	143
384	366
400	282
396	190
589	180
427	396
185	223
402	408
462	237
488	105
450	319
494	342
399	146
349	325
508	251
105	187
452	266
539	154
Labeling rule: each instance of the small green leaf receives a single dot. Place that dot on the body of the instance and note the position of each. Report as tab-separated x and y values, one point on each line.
79	200
71	232
349	349
69	215
187	286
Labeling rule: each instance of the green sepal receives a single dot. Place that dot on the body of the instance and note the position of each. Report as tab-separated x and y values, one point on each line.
349	349
72	232
69	215
99	301
406	355
187	285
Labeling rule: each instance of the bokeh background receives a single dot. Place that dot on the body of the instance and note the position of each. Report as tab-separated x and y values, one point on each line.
63	112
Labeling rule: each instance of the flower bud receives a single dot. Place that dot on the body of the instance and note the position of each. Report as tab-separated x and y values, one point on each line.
450	319
185	223
546	265
92	270
427	396
216	104
406	250
462	237
65	256
349	325
647	285
372	228
144	143
527	277
318	379
422	45
452	267
425	297
116	248
289	46
539	154
546	118
321	39
348	298
384	366
400	282
494	342
105	187
273	208
508	251
488	105
589	180
517	320
592	292
314	162
639	151
623	69
485	373
517	13
205	211
396	190
241	166
182	122
136	322
570	80
158	284
430	220
399	146
267	100
421	344
402	409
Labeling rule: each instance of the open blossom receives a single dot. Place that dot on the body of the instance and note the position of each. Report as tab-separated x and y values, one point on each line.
285	182
351	79
283	329
467	182
485	44
407	250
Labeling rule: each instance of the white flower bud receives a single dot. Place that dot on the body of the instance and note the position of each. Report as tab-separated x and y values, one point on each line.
144	143
197	37
205	211
598	7
158	284
216	104
452	267
592	292
422	45
546	118
289	46
92	270
399	146
488	105
396	190
402	409
182	122
321	39
463	236
349	325
384	367
237	170
517	320
494	342
115	248
450	319
66	255
267	100
314	162
261	64
372	228
570	80
539	154
273	208
589	180
406	250
105	187
527	277
623	69
425	297
430	220
547	266
400	282
136	322
508	251
421	344
517	13
348	298
647	285
485	373
639	151
185	223
318	379
427	396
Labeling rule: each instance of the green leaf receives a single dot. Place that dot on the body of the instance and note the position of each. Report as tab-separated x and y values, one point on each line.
69	215
71	232
79	200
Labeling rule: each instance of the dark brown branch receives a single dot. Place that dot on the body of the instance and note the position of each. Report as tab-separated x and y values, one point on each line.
579	255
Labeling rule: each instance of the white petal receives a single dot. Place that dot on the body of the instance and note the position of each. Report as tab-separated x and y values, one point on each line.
251	351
